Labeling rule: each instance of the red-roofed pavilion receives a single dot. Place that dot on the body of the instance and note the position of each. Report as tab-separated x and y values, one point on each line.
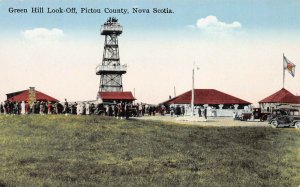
24	96
209	97
217	103
281	98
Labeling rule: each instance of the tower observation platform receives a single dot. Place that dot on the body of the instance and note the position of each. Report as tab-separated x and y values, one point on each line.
110	70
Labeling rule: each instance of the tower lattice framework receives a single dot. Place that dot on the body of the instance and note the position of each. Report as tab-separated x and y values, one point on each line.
111	70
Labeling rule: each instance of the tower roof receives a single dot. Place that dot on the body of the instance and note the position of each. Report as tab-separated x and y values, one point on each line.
206	96
281	96
111	26
116	96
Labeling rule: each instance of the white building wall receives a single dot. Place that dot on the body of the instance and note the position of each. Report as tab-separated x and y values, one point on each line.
264	106
216	112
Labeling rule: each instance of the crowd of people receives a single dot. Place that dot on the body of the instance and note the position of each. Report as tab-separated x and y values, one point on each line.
38	107
118	110
122	110
180	110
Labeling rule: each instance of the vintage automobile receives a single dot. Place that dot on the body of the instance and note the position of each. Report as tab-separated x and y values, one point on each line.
284	117
255	114
245	116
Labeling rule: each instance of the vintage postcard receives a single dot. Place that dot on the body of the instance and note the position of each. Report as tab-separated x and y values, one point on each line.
149	93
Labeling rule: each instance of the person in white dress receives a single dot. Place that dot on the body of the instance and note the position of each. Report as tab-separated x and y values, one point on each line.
79	109
87	108
23	107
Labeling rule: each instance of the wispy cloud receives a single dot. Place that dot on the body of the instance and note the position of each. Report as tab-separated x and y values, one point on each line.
191	26
212	23
43	34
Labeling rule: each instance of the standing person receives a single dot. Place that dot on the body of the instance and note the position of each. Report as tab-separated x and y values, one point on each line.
205	113
66	107
49	107
42	107
177	111
149	110
16	108
140	109
11	107
153	110
55	108
23	107
127	110
172	111
45	107
106	110
8	107
83	109
116	111
214	112
234	115
182	110
199	112
87	108
27	108
1	108
32	108
122	110
78	109
92	108
5	106
19	108
37	107
74	108
143	109
110	110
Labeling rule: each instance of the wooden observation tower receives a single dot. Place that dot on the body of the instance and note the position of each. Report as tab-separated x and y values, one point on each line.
111	70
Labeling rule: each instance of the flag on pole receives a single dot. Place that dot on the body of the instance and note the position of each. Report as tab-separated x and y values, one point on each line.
288	65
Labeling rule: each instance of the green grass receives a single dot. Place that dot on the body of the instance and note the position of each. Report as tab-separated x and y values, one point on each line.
99	151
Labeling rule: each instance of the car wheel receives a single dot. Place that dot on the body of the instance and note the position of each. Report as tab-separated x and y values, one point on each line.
274	124
264	118
297	125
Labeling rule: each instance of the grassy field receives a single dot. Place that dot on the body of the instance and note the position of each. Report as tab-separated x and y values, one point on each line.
99	151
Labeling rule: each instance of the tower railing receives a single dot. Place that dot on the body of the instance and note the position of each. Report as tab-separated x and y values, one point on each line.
111	68
111	28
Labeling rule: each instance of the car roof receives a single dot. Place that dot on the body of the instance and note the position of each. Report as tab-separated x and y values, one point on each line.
290	109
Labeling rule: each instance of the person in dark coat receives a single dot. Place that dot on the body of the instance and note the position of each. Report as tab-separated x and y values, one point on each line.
1	108
153	110
37	107
116	110
149	110
199	111
143	110
205	113
177	111
110	110
127	110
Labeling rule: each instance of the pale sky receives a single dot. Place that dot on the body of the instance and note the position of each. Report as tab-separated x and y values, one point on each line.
238	46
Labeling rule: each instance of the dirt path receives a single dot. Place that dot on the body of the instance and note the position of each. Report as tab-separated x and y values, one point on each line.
218	122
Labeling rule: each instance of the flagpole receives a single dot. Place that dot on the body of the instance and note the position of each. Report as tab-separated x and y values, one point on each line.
174	91
283	71
193	96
